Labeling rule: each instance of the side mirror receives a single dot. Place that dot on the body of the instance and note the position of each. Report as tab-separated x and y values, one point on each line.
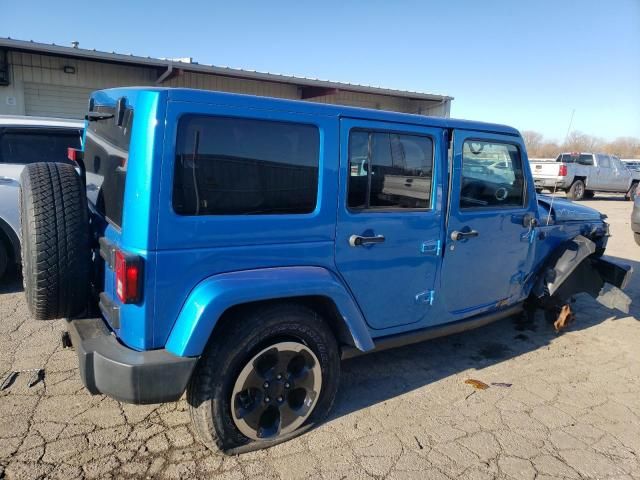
529	221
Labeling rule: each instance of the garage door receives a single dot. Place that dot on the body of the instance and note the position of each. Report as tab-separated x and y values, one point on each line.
56	100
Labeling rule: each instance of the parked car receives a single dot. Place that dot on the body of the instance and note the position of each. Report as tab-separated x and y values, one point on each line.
581	175
26	140
238	247
635	219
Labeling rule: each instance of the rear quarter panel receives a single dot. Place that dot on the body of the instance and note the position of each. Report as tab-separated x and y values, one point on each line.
193	248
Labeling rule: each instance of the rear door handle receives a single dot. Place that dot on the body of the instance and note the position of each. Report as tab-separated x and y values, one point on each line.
456	235
357	240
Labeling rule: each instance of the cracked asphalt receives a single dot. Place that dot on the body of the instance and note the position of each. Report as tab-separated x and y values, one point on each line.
572	410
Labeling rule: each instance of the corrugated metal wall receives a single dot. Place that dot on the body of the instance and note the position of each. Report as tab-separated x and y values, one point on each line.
233	85
385	102
47	100
39	86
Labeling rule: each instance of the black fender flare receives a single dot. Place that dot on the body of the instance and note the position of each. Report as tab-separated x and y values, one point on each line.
575	267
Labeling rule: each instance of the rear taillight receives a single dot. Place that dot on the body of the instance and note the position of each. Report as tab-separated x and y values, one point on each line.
563	171
128	270
74	154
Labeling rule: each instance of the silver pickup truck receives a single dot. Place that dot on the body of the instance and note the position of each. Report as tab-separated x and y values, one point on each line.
580	175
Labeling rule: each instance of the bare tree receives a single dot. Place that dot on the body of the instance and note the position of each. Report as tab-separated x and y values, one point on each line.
533	142
549	150
576	141
624	147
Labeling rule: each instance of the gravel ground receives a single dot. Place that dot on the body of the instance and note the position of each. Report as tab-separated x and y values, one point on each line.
572	410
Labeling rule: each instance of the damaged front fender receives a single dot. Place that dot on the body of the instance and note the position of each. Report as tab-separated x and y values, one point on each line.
574	268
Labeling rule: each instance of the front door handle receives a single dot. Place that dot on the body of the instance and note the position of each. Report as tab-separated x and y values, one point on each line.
456	235
357	240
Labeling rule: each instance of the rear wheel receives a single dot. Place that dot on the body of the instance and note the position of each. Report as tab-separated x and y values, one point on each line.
55	240
576	191
273	377
276	390
633	191
636	236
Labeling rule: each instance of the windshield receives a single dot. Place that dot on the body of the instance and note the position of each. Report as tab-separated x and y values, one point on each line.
106	154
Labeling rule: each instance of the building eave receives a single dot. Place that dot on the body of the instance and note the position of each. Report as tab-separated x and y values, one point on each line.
158	63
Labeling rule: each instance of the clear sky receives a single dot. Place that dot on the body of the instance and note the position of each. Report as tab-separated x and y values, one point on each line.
523	63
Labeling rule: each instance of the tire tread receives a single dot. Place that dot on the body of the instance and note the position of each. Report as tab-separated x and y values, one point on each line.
203	393
55	237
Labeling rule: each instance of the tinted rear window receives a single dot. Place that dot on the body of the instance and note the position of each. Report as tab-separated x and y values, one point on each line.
240	166
30	145
106	153
583	159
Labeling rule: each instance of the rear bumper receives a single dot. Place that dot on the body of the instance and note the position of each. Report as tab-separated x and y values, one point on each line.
553	182
108	367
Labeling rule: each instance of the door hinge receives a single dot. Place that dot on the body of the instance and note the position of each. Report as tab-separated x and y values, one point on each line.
432	247
426	297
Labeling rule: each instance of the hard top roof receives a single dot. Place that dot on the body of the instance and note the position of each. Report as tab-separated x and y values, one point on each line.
301	106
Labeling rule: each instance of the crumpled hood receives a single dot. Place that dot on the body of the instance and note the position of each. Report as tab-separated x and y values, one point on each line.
567	211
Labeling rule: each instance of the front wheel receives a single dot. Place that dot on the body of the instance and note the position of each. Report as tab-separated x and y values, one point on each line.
576	191
267	376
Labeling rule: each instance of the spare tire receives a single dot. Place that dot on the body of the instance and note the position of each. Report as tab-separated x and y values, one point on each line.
55	240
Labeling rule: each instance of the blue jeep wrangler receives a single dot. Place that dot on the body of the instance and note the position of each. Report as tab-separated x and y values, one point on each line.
237	247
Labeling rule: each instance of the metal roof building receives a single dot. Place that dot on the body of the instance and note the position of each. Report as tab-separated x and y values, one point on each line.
54	80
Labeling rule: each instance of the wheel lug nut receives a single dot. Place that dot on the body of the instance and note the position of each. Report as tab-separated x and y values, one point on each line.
287	385
279	377
267	399
279	399
266	385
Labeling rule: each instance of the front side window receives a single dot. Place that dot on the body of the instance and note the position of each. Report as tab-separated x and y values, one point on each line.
389	171
492	175
605	162
240	166
29	145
